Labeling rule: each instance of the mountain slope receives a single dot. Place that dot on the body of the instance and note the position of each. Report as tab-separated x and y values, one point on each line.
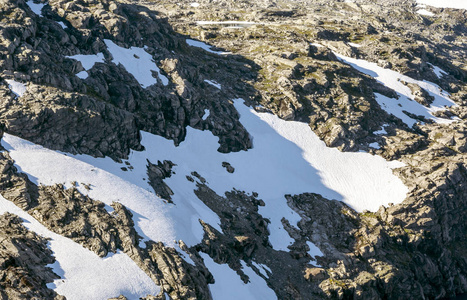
290	150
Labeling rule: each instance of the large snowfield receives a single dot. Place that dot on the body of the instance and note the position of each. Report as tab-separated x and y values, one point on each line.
286	158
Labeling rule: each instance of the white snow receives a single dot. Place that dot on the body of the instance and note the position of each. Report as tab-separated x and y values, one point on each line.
438	71
36	7
459	4
204	46
62	24
16	87
206	114
213	83
229	286
425	12
84	275
392	79
314	251
354	45
262	269
240	23
137	62
317	45
87	61
194	4
382	130
287	158
153	218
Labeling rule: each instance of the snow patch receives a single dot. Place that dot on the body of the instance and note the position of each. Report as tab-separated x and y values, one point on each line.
206	114
204	46
16	87
36	7
374	145
354	45
87	61
213	83
459	4
406	102
84	275
137	62
314	251
62	24
438	71
194	4
382	130
229	286
425	12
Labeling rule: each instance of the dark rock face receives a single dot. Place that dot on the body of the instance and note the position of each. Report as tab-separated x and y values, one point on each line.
82	116
23	259
156	174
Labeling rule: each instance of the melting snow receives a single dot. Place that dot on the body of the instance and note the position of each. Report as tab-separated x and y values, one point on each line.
36	7
204	46
392	79
16	87
84	275
459	4
137	62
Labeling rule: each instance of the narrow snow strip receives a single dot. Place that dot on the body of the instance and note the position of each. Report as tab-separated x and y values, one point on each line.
354	45
84	275
213	83
229	286
203	46
17	88
459	4
317	45
262	269
392	79
137	62
206	114
87	61
36	7
62	24
225	22
425	12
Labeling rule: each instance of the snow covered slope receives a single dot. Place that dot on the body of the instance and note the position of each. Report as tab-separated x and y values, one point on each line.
406	102
84	275
287	158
